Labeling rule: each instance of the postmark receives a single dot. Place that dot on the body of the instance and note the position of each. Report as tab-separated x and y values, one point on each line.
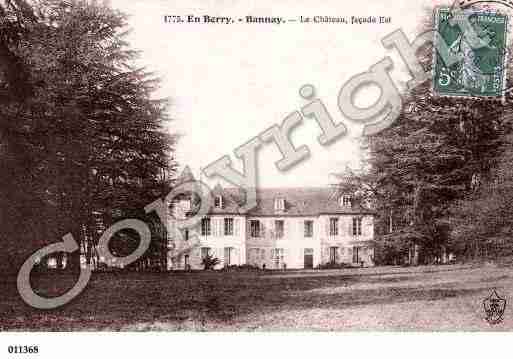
478	40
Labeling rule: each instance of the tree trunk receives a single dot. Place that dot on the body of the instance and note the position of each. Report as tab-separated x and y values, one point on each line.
443	254
15	74
413	254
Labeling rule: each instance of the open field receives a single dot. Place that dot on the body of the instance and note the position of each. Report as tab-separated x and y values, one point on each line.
385	298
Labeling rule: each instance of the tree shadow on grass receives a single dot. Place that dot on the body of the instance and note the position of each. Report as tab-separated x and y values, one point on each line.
228	310
117	301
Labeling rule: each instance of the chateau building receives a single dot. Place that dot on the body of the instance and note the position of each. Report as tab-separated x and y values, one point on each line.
291	228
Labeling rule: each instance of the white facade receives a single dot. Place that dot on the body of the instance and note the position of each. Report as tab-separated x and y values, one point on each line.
342	244
287	249
276	237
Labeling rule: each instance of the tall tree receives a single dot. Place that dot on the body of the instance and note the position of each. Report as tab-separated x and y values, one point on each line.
438	151
95	144
483	220
435	153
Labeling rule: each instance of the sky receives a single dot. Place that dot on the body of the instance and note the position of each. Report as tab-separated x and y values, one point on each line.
228	83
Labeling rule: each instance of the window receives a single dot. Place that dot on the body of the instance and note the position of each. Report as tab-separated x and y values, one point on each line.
356	255
254	255
279	228
52	263
308	229
186	237
345	201
206	228
218	202
185	205
228	226
228	251
254	227
333	226
278	256
205	251
357	226
333	254
279	204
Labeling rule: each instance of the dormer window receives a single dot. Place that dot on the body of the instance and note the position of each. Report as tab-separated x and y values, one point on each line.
279	204
218	202
345	201
184	205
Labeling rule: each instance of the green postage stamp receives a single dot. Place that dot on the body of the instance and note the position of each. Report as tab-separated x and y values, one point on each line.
470	53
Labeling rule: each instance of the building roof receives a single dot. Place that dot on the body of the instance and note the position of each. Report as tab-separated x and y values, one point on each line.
302	201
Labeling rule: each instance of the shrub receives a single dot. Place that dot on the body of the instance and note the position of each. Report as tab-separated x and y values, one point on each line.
333	266
209	262
241	268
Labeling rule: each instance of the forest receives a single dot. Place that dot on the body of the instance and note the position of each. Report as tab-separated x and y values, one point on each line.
83	140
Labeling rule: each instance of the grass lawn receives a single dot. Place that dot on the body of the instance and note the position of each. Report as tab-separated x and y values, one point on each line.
385	298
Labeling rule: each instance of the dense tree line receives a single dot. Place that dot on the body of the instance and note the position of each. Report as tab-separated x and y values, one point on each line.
82	140
440	177
430	175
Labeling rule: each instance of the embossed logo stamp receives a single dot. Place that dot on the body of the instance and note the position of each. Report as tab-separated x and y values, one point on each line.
478	42
494	307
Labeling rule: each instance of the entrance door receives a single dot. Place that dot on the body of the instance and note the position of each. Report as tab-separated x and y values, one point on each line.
356	255
333	254
227	256
308	258
278	258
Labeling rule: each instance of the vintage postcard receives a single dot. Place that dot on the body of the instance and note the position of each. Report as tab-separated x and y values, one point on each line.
232	166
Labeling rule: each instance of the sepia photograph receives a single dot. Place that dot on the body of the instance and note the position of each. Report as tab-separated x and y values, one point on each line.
233	166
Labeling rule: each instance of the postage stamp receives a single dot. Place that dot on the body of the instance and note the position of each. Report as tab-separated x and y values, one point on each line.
480	49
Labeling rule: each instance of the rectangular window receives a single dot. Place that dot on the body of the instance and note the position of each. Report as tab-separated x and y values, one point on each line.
206	228
278	255
345	201
308	229
205	251
357	226
279	228
333	254
186	234
254	227
356	255
228	226
279	204
254	256
185	205
218	202
333	226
